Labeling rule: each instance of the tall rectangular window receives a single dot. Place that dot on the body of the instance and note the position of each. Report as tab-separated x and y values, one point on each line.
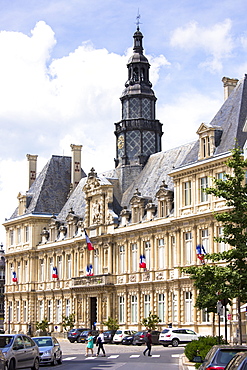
41	269
188	307
187	193
147	305
19	275
58	310
205	316
67	307
133	309
26	278
18	314
203	185
205	147
69	266
134	257
161	253
49	311
174	307
121	310
174	250
121	259
96	262
222	245
161	307
25	317
147	252
19	235
188	248
162	208
26	234
50	268
41	310
59	267
11	237
205	239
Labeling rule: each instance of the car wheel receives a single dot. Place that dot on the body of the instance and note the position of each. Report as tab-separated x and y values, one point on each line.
60	360
54	362
36	364
175	342
11	364
78	340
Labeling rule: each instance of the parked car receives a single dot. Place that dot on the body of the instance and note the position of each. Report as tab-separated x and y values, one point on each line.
49	350
128	339
20	351
138	338
108	335
84	335
119	335
238	362
3	362
219	356
176	336
74	334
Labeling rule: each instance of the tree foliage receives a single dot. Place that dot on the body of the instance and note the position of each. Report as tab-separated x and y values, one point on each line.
112	324
151	322
68	321
42	325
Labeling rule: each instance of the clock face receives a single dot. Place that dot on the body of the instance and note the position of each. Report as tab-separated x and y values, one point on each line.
120	142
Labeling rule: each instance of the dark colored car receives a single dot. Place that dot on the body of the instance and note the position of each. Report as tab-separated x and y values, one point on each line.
138	338
128	339
84	335
108	335
74	334
219	356
238	362
3	363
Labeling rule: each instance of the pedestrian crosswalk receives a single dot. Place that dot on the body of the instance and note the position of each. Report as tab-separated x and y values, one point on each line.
108	357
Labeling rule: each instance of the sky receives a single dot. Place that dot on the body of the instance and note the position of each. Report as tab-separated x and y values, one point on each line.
63	69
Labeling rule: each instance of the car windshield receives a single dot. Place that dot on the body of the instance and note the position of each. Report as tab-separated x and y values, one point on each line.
165	331
224	356
119	332
43	342
84	333
6	341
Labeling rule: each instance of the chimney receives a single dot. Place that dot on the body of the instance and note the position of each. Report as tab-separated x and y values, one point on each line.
229	85
32	168
75	165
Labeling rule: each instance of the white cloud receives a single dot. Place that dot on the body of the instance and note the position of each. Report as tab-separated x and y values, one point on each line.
216	41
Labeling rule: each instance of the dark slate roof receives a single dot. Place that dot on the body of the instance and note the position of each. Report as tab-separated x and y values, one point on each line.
49	192
155	171
230	119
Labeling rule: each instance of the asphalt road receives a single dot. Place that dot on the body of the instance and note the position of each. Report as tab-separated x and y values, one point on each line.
118	357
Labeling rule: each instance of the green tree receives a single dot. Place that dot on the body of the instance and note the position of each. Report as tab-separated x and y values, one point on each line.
68	321
112	324
151	322
234	190
42	325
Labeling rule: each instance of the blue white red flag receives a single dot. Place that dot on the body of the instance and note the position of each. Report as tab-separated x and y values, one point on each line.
54	273
89	244
200	251
142	263
14	277
89	270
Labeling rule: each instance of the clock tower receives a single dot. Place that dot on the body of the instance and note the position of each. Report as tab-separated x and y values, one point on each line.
138	134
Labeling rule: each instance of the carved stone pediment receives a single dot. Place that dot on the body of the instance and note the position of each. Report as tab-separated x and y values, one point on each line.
164	192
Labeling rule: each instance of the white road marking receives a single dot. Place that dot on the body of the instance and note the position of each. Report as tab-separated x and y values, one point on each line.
113	356
155	355
175	355
134	356
68	358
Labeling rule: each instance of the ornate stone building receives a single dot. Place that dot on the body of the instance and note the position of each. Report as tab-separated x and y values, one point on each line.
151	206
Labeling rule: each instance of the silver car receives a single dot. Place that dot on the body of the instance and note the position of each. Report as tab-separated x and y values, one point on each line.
49	350
20	351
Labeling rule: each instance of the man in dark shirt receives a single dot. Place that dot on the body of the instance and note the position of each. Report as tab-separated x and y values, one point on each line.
148	340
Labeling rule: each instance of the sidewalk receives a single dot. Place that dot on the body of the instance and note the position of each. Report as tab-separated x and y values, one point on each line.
185	364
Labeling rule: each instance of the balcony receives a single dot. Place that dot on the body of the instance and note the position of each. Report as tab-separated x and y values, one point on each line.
97	280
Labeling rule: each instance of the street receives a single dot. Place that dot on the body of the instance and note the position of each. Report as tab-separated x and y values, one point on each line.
119	356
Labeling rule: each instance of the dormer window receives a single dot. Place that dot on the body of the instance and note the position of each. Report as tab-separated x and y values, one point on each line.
205	147
165	200
209	139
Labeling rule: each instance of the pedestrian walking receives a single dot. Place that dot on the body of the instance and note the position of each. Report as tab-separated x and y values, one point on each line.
148	341
89	343
100	343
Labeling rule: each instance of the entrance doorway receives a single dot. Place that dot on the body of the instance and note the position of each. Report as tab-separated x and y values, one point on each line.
93	312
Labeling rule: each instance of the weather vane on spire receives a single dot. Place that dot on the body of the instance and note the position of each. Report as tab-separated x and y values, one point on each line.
138	20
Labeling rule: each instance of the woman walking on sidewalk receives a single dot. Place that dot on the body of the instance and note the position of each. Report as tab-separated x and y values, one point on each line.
89	343
100	343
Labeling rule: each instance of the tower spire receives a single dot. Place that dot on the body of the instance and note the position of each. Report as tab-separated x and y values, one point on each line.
138	17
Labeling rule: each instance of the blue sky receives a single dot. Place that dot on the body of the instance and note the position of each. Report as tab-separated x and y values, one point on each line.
63	68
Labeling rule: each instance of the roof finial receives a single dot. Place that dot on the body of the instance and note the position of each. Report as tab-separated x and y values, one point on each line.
138	20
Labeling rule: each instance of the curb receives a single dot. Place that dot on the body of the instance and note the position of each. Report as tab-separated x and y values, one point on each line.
186	364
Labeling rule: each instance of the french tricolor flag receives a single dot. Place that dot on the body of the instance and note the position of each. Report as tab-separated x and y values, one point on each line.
89	270
14	277
200	251
54	273
89	244
142	263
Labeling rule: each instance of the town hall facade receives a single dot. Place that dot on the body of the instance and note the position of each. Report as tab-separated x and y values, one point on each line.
151	206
